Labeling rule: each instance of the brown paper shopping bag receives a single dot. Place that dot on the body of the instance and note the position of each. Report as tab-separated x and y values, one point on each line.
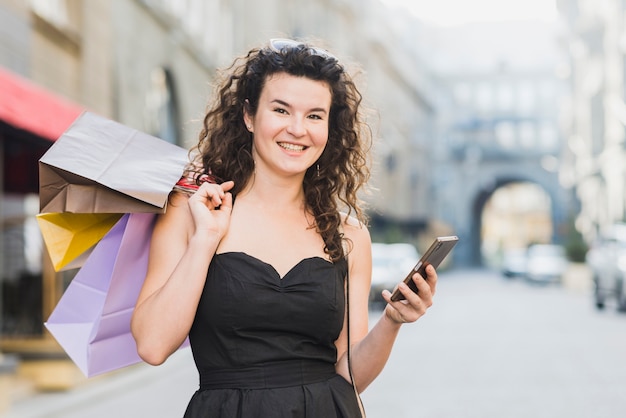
101	166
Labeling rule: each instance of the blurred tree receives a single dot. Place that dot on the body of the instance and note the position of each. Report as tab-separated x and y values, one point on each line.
575	246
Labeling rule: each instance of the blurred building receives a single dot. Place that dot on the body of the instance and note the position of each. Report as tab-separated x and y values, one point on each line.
149	64
595	160
401	89
58	58
455	117
498	126
504	132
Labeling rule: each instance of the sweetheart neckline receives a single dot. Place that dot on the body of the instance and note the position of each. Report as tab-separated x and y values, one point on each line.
281	277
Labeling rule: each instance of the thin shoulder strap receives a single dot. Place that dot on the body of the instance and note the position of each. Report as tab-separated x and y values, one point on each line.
356	391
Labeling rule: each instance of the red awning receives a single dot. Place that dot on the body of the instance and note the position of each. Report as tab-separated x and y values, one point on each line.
29	107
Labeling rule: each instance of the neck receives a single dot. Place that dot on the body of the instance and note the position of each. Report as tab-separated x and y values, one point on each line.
276	192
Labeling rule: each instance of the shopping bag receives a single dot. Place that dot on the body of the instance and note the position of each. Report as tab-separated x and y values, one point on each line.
69	235
101	166
92	320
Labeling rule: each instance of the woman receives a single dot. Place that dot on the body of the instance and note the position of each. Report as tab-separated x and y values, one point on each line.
255	266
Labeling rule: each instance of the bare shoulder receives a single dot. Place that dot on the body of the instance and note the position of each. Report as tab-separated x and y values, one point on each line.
357	234
352	226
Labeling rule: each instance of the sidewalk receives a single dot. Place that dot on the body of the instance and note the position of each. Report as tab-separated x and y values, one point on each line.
130	392
134	391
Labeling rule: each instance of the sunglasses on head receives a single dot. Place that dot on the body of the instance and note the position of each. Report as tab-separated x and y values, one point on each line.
281	44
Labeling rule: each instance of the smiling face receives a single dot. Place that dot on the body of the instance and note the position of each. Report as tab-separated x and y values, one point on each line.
290	126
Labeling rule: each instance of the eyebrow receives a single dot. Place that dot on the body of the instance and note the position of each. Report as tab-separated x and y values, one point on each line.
283	103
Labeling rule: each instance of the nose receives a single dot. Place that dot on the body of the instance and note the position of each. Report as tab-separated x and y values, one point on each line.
296	126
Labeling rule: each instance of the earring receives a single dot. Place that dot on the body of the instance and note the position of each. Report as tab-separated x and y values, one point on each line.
317	167
249	128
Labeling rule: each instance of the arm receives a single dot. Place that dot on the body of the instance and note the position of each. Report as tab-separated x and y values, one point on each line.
371	350
183	243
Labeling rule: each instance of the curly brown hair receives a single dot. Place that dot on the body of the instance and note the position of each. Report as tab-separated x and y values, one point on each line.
224	150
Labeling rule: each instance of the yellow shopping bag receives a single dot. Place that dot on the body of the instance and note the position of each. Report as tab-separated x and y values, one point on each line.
70	235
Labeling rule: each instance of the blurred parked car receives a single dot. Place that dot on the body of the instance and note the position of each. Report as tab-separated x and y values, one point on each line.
390	264
546	263
514	262
607	260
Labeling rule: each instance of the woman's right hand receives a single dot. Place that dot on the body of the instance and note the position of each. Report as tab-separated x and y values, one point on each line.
177	269
211	207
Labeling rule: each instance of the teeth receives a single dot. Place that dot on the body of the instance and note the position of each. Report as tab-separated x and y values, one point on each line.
292	147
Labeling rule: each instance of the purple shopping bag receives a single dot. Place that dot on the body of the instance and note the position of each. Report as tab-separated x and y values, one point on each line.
92	320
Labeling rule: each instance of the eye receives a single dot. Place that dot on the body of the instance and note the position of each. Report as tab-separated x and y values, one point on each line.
280	110
315	116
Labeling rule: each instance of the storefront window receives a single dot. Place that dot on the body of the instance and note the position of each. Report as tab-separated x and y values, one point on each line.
161	112
22	284
29	287
30	120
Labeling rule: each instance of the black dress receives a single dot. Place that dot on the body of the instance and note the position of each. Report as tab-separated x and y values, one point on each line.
264	345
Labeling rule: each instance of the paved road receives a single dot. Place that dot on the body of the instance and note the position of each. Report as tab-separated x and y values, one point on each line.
494	348
489	348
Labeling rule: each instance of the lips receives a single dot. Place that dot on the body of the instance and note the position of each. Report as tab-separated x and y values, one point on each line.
292	147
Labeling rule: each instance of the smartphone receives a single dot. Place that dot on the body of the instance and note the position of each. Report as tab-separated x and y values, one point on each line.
435	254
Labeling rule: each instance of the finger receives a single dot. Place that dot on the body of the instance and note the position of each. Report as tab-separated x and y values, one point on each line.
398	305
410	296
227	185
227	203
211	193
424	289
431	278
218	198
386	294
406	310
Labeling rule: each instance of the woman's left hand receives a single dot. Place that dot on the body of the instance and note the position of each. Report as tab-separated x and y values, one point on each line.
415	304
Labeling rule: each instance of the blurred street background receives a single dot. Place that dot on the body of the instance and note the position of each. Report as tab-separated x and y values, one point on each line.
490	348
502	122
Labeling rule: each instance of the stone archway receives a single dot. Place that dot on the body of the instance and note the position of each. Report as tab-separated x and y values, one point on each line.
474	191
